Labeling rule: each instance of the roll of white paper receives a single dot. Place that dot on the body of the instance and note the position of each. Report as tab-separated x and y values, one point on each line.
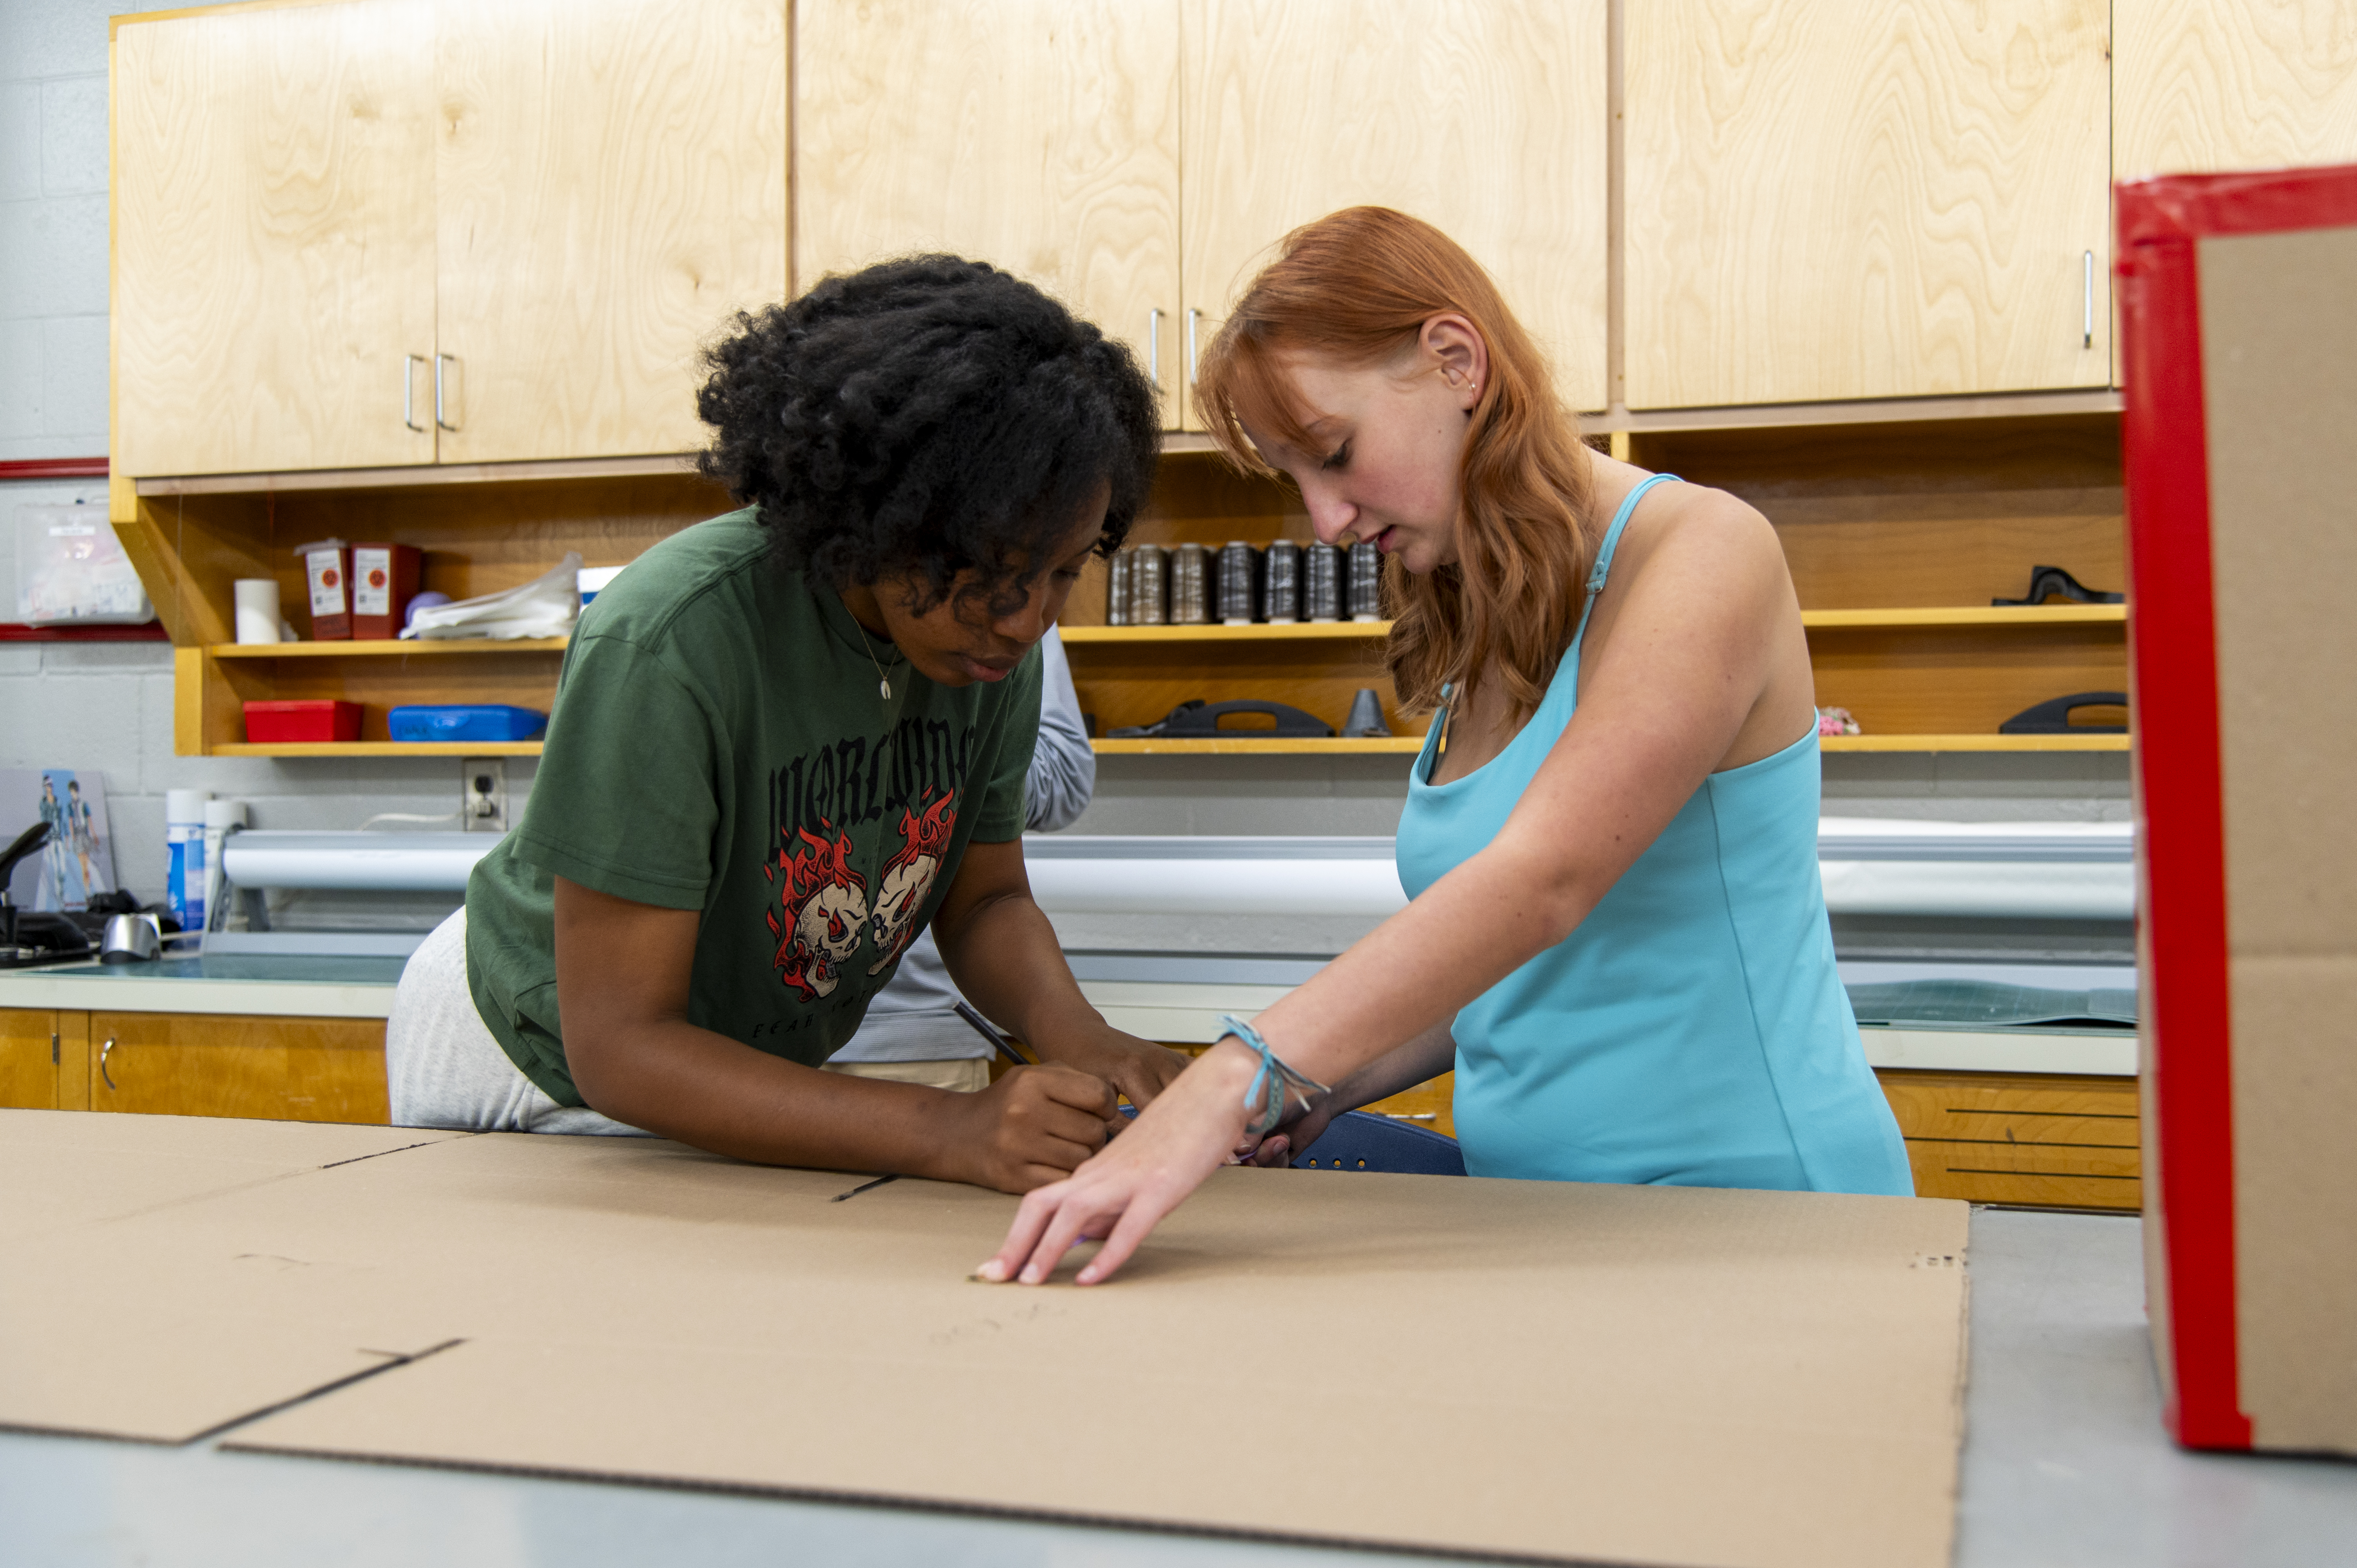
257	609
422	863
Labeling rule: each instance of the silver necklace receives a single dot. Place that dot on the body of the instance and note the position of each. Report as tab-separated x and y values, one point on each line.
883	682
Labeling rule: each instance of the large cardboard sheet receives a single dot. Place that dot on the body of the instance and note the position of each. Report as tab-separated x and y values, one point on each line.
1644	1375
91	1340
65	1169
2279	353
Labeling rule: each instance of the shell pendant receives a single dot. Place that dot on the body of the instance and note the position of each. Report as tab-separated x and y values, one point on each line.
886	687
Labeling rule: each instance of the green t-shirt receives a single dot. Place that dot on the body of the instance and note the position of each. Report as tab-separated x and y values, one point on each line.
718	744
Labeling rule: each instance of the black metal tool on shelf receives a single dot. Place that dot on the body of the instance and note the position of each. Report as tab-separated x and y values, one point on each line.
1366	720
1203	721
2053	716
1140	732
2048	582
33	935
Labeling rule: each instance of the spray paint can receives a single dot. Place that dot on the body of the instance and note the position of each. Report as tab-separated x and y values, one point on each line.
1191	574
1117	586
1366	583
1149	597
1280	583
1321	589
1238	566
184	847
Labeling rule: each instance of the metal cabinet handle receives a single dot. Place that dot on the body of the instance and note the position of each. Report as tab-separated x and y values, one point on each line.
104	1052
439	359
409	363
1154	346
2087	276
1193	315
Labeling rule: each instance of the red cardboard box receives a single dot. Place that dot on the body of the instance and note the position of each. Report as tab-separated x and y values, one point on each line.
2238	305
384	579
318	719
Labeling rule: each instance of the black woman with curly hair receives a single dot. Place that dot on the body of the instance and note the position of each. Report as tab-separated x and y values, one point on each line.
788	740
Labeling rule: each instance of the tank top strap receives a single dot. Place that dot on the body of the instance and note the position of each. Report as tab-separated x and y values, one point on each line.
1612	543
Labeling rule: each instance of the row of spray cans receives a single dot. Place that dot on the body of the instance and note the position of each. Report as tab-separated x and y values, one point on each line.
1278	583
194	825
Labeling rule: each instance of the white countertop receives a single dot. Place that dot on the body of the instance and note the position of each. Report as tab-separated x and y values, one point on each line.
1181	1012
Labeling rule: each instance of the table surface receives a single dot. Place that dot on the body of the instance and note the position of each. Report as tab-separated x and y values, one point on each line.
2065	1465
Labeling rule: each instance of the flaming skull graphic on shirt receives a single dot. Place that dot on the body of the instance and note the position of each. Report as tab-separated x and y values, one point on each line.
907	877
826	911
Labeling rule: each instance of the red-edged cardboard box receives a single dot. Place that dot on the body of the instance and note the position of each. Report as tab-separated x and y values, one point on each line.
2238	305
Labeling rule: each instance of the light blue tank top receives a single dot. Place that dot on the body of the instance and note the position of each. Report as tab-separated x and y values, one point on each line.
1694	1030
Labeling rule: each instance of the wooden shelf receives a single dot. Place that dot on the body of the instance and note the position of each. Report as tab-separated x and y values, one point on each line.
1931	615
1259	631
390	647
1239	746
1243	746
376	748
1970	615
1975	743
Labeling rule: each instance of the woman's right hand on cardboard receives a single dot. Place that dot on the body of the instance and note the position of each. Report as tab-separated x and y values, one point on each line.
1190	1130
1035	1125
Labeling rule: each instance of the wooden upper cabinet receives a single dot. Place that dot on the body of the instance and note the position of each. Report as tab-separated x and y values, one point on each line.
273	230
2203	86
1488	121
1040	135
612	185
1865	199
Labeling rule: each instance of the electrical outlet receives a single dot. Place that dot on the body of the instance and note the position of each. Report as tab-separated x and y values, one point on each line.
483	795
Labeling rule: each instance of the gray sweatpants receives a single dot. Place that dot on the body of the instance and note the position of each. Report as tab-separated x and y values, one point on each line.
444	1067
446	1071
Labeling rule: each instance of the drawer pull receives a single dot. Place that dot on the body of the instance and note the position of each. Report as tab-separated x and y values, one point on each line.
104	1052
1412	1115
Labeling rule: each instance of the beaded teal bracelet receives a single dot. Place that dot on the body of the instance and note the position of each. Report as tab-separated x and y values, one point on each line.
1266	1097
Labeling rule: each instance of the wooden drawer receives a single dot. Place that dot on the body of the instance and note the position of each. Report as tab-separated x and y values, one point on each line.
283	1070
2043	1141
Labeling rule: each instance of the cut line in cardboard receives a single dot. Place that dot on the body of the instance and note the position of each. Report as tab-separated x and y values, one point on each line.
1518	1369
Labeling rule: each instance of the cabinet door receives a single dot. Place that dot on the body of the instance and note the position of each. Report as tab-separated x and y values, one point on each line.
273	238
1039	136
1488	121
2201	86
1865	199
274	1070
29	1056
610	186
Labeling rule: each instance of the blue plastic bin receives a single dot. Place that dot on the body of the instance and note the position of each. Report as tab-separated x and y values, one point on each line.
464	721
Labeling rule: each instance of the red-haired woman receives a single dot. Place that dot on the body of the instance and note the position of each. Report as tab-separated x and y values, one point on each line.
1617	934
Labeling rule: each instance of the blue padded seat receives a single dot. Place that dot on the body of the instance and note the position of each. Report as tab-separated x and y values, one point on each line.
1362	1140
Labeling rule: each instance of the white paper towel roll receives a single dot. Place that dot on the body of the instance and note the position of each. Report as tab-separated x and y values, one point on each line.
393	862
257	608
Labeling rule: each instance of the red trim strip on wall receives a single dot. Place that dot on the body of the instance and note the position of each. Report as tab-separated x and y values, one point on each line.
55	469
